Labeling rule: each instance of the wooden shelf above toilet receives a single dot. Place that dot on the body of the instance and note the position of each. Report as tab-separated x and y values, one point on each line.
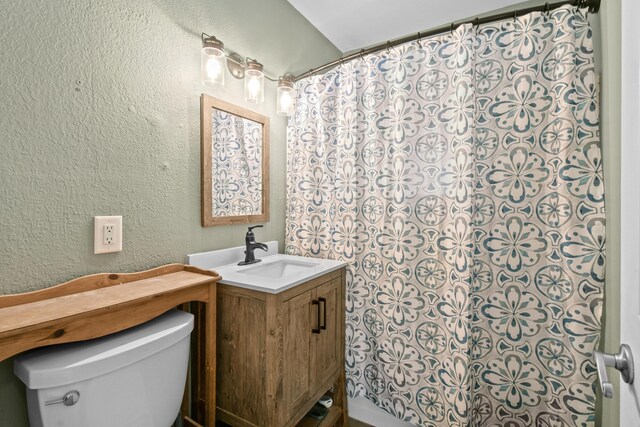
102	304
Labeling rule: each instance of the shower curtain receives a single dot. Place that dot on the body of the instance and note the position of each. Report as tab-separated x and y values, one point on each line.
460	177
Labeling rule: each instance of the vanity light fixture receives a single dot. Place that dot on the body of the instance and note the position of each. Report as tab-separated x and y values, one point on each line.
235	64
286	95
213	61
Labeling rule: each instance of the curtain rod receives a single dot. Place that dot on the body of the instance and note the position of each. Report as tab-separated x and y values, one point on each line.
593	5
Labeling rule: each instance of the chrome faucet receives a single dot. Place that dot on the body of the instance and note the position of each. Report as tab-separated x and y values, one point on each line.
252	245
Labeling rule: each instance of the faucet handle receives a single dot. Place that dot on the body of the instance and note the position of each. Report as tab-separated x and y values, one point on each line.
255	226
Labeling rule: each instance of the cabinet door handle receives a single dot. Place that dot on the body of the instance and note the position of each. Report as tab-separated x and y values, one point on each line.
316	330
324	311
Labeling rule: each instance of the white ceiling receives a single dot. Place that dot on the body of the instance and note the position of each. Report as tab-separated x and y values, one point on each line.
354	24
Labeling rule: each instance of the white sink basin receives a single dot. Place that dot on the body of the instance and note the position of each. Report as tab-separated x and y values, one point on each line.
278	269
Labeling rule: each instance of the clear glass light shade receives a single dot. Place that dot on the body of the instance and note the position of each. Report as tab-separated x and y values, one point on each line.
254	83
285	98
213	61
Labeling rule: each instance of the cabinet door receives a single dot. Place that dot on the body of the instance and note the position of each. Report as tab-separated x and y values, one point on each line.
329	343
297	373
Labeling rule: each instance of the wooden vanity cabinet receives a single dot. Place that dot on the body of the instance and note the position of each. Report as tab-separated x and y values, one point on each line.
279	353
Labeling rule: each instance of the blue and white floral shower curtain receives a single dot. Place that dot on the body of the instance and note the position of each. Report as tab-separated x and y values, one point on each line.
461	178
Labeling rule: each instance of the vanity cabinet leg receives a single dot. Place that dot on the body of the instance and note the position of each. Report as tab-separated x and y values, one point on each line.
341	399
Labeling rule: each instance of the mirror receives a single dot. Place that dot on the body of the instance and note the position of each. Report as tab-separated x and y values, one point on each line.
235	164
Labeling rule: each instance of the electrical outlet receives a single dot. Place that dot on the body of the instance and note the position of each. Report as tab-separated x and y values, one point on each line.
107	234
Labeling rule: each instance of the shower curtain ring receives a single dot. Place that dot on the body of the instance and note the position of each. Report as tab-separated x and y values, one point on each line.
451	29
362	54
515	16
388	46
418	39
547	10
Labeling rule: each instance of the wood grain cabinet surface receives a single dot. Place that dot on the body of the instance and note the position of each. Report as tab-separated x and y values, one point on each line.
277	354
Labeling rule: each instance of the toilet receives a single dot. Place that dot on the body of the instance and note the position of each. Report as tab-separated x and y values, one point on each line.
134	378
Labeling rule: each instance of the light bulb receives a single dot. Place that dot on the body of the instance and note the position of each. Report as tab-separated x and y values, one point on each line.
285	100
254	86
286	96
254	82
212	61
213	69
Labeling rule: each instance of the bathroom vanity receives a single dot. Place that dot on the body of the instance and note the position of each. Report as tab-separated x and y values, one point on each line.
280	341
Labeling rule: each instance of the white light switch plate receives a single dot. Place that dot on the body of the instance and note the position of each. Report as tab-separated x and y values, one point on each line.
107	234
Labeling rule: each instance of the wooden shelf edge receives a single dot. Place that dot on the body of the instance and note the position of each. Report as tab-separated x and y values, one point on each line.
188	422
96	281
332	417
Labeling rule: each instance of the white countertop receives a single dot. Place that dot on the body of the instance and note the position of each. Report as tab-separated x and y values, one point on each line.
260	276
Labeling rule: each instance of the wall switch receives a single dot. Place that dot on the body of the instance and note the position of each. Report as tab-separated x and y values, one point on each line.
107	234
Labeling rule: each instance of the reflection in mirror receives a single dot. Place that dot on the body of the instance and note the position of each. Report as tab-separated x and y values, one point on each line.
235	173
237	156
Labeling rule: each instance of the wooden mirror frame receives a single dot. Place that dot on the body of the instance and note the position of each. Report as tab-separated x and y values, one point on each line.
206	105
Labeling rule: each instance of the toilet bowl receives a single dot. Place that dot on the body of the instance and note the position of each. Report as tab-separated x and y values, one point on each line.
134	378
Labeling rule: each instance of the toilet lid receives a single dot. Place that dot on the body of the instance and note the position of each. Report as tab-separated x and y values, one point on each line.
64	364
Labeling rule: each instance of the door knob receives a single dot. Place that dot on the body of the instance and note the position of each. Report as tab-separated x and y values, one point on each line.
622	361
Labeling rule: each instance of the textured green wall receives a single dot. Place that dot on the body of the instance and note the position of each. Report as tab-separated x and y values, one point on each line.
100	115
610	20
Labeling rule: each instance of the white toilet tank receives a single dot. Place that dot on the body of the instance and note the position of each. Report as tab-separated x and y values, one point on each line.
134	378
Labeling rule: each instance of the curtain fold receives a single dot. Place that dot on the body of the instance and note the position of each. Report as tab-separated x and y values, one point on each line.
461	178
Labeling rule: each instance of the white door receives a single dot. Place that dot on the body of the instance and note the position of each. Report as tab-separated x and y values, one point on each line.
630	261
